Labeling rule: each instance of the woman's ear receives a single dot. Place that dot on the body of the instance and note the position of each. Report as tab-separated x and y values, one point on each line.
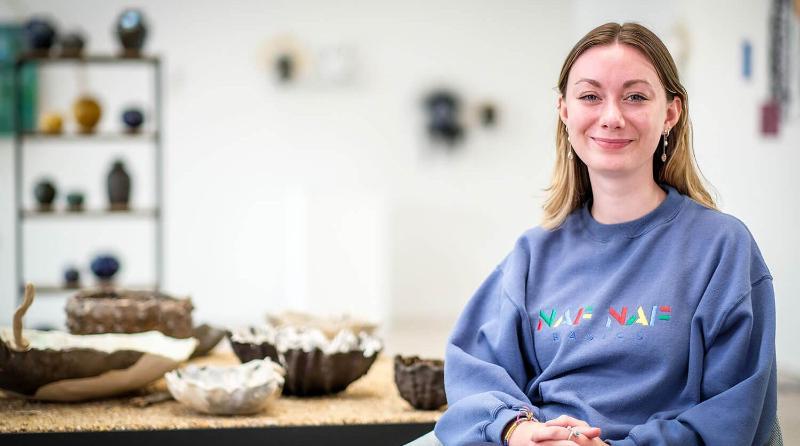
562	109
673	112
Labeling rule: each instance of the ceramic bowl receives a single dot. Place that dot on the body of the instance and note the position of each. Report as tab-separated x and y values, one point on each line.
315	363
227	390
420	381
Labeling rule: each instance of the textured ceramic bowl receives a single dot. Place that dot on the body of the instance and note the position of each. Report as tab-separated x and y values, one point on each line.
113	310
420	381
315	364
227	390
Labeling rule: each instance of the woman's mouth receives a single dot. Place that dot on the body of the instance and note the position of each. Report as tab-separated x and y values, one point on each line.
611	143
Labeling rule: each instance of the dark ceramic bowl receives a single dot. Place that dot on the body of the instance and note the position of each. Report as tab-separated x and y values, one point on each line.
308	373
420	381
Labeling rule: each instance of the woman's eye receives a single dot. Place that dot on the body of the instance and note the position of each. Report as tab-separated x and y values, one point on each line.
589	97
636	98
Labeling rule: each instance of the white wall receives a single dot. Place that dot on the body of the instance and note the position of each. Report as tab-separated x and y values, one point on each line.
330	198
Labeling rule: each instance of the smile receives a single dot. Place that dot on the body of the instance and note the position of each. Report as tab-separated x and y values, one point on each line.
609	143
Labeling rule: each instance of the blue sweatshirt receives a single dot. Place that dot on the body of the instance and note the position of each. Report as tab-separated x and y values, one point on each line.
660	331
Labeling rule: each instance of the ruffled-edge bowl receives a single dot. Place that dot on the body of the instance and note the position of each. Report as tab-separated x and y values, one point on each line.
420	381
227	390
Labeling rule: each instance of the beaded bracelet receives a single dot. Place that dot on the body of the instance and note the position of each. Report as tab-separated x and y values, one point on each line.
524	415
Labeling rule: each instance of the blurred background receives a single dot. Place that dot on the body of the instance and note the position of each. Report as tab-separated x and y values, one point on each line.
377	158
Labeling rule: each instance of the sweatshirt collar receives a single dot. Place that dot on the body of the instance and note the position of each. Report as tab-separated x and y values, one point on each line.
665	212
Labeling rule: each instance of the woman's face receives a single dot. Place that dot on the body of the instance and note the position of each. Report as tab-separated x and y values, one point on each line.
615	109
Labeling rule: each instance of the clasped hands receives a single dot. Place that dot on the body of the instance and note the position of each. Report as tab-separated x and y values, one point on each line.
562	431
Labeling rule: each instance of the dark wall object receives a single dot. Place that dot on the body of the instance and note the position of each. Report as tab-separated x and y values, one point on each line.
40	34
133	119
45	192
131	31
443	117
119	187
488	114
105	267
285	66
72	44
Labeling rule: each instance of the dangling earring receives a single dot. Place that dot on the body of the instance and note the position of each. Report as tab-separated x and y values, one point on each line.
569	149
664	150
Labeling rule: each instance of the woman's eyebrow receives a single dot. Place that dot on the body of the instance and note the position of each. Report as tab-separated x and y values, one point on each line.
626	84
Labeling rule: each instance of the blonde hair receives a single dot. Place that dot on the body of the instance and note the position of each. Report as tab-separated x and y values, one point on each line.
570	187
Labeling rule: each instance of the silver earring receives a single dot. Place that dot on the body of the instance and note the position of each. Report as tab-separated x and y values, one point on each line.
664	150
569	153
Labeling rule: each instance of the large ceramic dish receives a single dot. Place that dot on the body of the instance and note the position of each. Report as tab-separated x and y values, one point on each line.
420	381
227	390
112	310
57	366
314	363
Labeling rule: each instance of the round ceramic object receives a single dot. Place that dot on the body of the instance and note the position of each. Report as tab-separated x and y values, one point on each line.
133	119
131	31
45	192
72	277
40	35
105	267
72	45
75	201
227	390
87	112
420	381
315	364
50	123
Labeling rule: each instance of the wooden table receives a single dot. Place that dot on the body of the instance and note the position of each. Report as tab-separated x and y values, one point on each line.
370	411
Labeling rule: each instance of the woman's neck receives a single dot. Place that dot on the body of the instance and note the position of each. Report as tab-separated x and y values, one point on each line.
620	201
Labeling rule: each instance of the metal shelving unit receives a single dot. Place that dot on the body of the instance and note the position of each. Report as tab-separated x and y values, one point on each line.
21	137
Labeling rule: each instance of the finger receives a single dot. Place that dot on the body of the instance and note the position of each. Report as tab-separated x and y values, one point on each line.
556	443
566	420
590	432
547	433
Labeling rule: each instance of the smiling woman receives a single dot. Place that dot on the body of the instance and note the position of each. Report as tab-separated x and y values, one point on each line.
636	313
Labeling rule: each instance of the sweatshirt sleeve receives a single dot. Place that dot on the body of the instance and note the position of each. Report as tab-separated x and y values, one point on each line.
739	382
485	369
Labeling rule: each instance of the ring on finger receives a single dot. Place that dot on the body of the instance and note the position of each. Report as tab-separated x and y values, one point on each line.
573	433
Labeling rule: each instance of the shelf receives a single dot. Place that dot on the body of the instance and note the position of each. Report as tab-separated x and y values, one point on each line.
60	289
89	59
90	213
103	136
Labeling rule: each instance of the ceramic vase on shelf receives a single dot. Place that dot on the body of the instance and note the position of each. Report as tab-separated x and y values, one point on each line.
45	193
40	35
104	268
72	277
119	187
131	31
72	44
87	112
75	202
50	123
133	119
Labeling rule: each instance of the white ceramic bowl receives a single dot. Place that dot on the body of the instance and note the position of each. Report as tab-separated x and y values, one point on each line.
227	390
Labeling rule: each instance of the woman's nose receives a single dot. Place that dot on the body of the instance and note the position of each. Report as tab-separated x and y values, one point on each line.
612	116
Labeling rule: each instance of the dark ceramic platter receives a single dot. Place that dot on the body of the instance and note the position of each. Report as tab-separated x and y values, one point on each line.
24	372
420	381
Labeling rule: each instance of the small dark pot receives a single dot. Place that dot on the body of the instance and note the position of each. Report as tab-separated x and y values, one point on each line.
72	45
420	381
105	267
72	278
119	187
45	192
133	119
131	31
75	201
40	35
